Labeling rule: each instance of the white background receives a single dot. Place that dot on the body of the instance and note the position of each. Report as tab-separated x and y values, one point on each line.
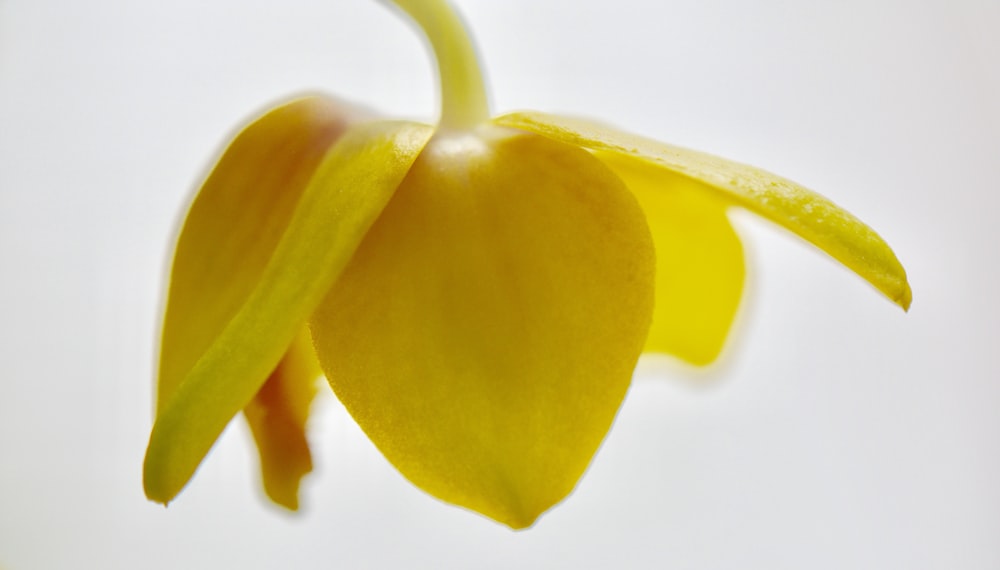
838	432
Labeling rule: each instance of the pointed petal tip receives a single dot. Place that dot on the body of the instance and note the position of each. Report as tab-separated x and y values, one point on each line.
521	524
905	298
154	486
163	503
156	495
513	517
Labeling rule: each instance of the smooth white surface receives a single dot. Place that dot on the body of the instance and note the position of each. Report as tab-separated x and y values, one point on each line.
838	433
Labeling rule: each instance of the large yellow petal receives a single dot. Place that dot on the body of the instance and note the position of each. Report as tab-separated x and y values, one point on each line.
811	216
699	260
486	330
344	197
277	417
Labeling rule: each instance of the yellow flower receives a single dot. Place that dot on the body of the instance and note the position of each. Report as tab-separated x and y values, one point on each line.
477	294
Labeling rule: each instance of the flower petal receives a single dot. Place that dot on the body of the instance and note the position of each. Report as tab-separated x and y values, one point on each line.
234	225
344	197
277	417
228	237
811	216
699	260
486	330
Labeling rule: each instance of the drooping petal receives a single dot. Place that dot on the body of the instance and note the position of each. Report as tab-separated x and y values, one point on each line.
699	260
228	238
343	198
811	216
234	225
277	417
486	330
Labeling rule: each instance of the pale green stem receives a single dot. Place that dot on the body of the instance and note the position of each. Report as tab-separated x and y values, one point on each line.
463	96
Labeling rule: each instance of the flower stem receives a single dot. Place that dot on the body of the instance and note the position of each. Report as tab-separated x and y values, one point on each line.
463	96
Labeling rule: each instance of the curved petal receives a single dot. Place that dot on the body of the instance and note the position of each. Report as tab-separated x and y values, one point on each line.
235	223
277	418
229	234
699	260
811	216
486	330
344	197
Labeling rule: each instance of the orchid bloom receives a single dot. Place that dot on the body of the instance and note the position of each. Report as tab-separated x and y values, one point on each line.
477	293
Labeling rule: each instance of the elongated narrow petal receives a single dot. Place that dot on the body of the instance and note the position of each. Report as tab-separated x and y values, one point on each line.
234	225
699	260
811	216
343	198
486	330
228	238
277	417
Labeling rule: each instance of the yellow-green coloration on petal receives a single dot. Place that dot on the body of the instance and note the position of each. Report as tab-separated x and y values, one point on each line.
235	224
228	237
486	330
345	195
811	216
477	296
